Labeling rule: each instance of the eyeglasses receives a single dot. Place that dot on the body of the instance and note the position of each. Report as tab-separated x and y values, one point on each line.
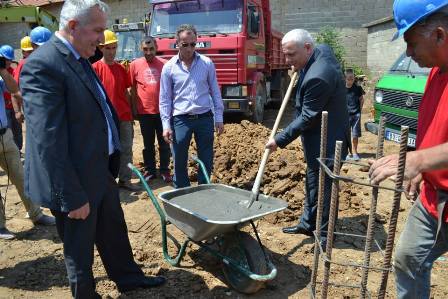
185	45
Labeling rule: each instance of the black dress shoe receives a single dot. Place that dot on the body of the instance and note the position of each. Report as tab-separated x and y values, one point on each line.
296	229
144	283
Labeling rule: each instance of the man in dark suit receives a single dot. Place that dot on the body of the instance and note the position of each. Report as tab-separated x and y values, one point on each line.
72	151
320	88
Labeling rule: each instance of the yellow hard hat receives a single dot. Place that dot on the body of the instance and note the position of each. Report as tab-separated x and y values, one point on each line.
25	44
109	37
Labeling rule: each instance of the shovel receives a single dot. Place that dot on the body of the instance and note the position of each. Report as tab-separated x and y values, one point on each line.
256	187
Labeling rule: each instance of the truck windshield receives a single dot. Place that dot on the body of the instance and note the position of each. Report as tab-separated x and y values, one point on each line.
405	64
208	16
129	45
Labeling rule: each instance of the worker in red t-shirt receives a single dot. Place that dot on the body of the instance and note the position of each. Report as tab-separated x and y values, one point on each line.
425	235
14	115
27	49
115	80
145	79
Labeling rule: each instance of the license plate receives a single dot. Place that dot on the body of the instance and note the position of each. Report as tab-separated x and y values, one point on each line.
393	136
234	105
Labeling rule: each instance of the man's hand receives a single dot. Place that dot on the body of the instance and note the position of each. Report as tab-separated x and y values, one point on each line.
168	136
80	213
219	128
412	187
387	167
272	145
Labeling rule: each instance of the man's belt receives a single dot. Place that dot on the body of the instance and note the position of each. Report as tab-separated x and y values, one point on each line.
196	116
3	131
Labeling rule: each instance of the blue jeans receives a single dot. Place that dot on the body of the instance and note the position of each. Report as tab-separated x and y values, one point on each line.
184	127
416	252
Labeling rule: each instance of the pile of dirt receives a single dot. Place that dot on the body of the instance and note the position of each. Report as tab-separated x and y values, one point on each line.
238	152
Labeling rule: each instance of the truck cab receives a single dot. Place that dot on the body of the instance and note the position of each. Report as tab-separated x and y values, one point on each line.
397	97
130	36
237	36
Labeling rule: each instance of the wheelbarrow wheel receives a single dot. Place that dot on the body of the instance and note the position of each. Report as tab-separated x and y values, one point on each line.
245	250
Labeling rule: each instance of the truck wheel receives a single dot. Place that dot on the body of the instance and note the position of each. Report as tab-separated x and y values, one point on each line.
260	101
245	250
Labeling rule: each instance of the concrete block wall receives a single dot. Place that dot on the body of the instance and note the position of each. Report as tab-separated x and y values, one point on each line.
12	33
382	51
346	16
134	10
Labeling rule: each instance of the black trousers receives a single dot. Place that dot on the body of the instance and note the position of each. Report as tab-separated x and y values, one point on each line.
309	214
151	126
106	228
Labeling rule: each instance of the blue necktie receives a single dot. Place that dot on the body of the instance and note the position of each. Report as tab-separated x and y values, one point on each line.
102	101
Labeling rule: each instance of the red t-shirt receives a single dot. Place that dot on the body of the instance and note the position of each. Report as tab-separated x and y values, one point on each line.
18	70
432	130
115	80
7	95
146	77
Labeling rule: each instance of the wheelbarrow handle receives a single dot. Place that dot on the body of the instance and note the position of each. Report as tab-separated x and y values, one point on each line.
264	160
151	195
202	167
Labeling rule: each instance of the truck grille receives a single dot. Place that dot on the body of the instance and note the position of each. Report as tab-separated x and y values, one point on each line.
399	120
400	99
226	67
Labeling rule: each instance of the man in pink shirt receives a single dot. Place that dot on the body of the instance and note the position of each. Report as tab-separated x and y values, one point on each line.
145	81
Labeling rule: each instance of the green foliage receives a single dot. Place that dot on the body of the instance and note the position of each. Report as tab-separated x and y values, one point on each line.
328	35
357	70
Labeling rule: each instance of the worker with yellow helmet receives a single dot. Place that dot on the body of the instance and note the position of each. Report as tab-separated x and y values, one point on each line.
116	82
26	46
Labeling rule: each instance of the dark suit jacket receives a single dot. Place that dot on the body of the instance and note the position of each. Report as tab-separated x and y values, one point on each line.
322	89
67	160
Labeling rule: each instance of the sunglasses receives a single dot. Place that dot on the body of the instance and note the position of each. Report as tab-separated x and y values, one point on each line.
185	45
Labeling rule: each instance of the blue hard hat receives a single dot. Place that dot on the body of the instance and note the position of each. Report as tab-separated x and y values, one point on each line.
7	51
408	12
40	35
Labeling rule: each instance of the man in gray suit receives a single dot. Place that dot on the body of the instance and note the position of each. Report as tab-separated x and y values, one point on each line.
72	150
321	87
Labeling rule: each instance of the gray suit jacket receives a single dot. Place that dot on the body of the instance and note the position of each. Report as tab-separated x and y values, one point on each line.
322	89
67	160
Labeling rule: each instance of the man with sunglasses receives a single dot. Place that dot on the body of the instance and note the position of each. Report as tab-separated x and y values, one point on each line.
190	103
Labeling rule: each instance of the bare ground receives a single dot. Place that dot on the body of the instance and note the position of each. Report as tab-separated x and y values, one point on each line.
32	266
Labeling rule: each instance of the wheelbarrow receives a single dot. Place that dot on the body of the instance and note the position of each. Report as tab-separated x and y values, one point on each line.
216	212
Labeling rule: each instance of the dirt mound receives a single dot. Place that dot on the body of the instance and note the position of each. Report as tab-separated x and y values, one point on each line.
238	152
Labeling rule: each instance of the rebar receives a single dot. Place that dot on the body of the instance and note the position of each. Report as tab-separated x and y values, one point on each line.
332	218
372	212
395	209
320	195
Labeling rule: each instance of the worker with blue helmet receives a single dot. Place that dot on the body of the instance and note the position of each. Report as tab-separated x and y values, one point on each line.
39	35
7	51
424	27
408	13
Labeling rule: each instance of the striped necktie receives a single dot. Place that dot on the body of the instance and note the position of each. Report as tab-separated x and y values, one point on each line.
102	101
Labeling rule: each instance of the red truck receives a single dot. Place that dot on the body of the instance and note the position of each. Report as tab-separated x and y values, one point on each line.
237	36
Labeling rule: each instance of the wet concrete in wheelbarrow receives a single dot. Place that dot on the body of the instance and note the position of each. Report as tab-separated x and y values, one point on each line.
222	204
